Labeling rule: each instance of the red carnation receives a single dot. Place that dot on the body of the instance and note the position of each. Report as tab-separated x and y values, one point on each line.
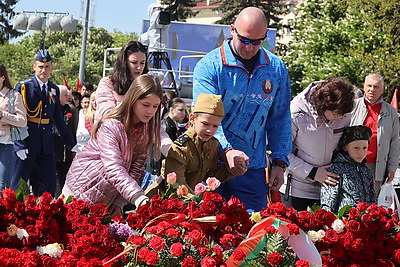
293	229
228	240
239	255
138	240
195	237
353	226
302	263
331	237
157	243
274	259
361	206
396	256
68	115
208	262
189	262
151	258
99	210
353	213
143	252
176	249
172	233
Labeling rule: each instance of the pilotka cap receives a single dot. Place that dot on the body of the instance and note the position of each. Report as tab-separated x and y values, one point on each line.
210	104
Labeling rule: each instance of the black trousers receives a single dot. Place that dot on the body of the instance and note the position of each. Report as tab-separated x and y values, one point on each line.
300	204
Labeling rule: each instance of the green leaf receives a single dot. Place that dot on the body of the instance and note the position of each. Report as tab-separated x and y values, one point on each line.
69	199
344	211
106	220
23	190
313	208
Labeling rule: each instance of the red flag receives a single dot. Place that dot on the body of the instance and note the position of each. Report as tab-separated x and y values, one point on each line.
78	85
394	102
66	84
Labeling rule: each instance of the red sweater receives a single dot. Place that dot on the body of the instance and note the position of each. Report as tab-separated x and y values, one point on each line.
372	122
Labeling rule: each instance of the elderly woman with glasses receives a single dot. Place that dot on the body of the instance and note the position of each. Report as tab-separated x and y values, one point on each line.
131	62
319	116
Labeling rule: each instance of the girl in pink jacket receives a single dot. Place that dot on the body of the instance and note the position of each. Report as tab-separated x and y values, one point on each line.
109	170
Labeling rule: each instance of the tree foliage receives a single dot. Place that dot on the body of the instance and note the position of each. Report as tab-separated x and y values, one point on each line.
6	15
272	9
65	49
180	9
349	38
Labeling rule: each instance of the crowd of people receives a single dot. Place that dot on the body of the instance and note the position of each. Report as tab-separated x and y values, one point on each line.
117	144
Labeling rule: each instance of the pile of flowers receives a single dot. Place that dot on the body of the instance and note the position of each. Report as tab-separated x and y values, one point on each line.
362	236
176	228
46	232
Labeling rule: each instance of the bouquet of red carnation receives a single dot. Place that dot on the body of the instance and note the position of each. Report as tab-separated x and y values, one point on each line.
363	236
174	241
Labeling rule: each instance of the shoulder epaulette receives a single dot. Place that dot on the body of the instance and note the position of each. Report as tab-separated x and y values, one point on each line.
181	140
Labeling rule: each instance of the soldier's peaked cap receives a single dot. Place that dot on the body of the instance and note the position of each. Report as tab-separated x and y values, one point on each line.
43	56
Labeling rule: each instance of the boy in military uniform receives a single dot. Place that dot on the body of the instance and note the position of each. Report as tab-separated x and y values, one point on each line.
41	99
194	155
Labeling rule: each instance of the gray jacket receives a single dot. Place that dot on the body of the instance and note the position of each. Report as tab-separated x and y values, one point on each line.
388	136
314	140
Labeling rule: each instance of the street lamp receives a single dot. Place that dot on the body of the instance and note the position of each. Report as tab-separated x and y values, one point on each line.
37	22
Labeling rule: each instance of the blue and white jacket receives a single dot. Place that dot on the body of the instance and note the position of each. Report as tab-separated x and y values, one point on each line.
257	104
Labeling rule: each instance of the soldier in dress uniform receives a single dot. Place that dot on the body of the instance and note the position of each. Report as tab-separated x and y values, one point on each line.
41	99
194	155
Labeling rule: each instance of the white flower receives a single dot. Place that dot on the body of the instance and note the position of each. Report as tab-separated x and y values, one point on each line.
321	234
21	233
53	250
316	236
311	234
338	226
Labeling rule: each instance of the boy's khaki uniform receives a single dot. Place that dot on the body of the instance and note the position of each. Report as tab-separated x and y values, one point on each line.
192	159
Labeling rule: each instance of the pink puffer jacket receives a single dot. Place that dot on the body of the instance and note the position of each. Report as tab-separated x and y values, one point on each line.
106	98
107	171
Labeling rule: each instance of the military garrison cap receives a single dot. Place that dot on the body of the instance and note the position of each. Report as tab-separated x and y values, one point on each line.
209	103
43	56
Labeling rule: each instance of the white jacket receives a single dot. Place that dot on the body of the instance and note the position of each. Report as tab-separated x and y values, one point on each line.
314	141
82	133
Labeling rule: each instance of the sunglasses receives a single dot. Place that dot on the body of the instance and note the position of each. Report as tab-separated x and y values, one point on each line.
137	47
247	41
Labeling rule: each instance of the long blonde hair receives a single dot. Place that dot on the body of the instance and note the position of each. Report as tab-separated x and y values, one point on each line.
90	111
141	87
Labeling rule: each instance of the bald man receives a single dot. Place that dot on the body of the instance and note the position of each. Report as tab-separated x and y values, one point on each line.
255	87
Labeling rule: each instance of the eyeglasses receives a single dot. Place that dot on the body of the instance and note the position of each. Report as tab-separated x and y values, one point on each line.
247	41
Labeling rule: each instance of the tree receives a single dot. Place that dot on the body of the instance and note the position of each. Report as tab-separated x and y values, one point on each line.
65	49
349	38
180	9
272	9
7	13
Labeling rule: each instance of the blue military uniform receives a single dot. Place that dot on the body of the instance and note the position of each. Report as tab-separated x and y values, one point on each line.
43	110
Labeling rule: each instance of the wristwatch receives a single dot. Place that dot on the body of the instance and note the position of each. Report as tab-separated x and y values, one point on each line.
280	164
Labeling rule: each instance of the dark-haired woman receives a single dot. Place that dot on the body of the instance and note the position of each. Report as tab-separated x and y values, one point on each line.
319	115
131	62
8	119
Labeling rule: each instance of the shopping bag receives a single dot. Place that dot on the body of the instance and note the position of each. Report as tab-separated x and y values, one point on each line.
388	198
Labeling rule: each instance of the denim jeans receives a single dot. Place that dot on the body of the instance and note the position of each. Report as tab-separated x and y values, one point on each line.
7	159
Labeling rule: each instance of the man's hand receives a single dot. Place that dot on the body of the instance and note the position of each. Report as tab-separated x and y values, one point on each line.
275	178
22	154
390	176
237	162
325	177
